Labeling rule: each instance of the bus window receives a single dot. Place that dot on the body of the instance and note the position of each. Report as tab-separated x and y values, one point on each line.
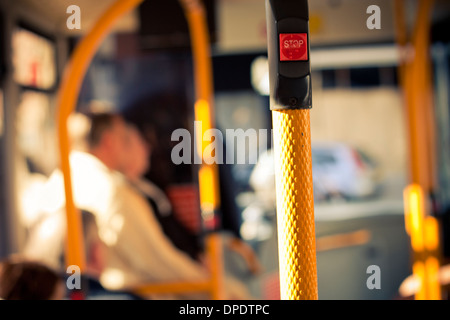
37	153
33	58
35	137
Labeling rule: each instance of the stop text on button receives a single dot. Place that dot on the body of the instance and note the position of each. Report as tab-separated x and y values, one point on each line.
293	47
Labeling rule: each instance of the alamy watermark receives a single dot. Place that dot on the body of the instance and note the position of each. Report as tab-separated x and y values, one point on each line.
374	280
242	146
374	21
74	20
74	280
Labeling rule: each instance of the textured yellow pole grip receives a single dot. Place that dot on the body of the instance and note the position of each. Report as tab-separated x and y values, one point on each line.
295	204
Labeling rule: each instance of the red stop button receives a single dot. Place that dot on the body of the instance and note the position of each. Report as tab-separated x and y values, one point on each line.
293	47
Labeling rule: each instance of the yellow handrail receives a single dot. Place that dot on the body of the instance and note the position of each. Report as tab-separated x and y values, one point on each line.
68	95
208	175
290	105
295	204
415	78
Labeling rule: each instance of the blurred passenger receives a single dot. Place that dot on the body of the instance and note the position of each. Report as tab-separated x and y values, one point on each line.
169	261
22	279
47	242
138	252
139	155
156	126
96	251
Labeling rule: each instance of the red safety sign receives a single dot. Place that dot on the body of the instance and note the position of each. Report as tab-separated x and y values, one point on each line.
293	47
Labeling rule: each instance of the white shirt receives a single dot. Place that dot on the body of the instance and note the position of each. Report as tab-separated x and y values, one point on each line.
138	250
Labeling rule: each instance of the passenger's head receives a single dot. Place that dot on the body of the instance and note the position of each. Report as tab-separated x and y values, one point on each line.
138	153
29	280
107	139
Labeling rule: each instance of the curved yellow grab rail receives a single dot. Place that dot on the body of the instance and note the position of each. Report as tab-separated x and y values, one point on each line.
208	175
68	95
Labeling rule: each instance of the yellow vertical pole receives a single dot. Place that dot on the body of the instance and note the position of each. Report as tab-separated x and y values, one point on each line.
424	233
415	78
414	221
204	112
295	204
420	99
290	92
68	95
